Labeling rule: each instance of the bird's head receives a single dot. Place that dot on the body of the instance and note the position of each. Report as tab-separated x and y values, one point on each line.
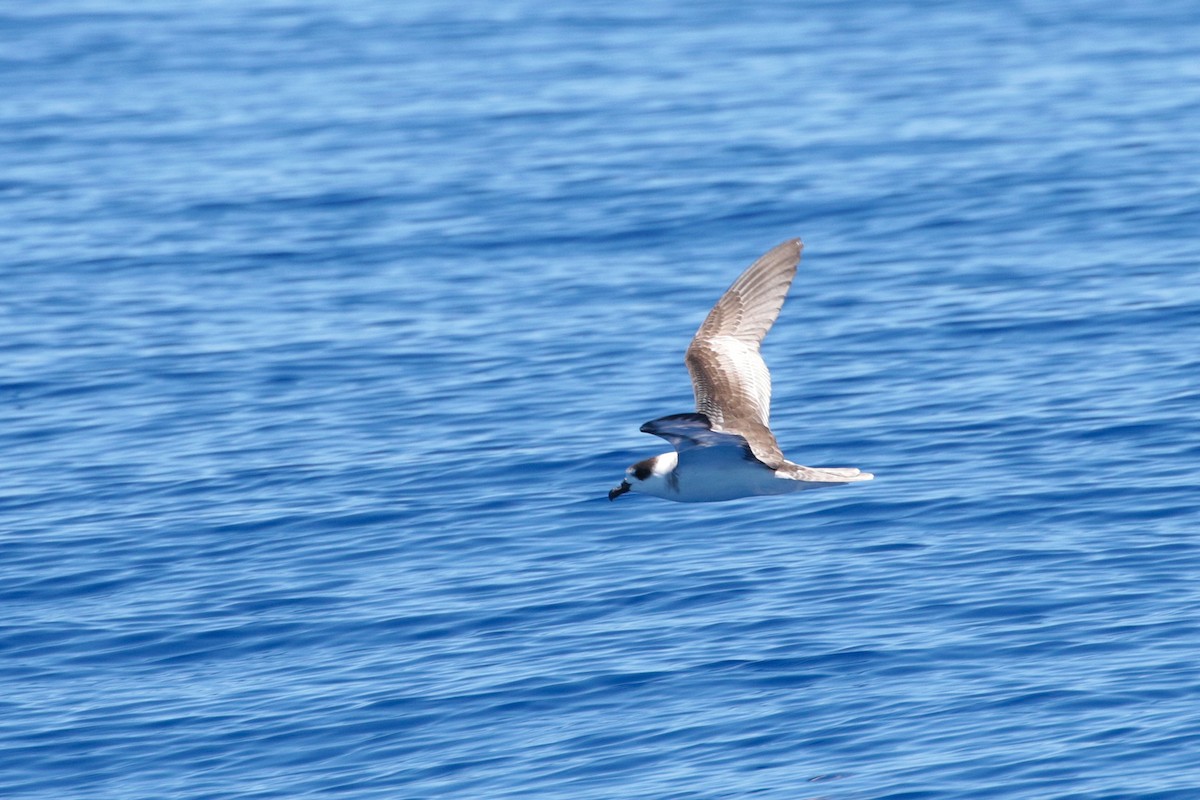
645	476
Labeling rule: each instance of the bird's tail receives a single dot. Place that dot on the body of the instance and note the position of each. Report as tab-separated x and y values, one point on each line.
833	475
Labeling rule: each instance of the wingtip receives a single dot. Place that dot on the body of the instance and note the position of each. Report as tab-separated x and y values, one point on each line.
793	246
655	426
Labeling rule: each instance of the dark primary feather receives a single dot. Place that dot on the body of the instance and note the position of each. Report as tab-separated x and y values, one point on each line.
685	431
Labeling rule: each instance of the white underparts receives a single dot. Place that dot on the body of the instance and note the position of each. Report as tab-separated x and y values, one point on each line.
711	474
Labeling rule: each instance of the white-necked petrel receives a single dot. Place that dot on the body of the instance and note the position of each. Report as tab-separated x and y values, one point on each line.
725	450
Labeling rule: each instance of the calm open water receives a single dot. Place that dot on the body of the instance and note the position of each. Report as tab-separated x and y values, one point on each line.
326	326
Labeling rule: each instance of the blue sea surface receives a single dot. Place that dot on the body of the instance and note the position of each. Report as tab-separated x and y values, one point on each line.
326	327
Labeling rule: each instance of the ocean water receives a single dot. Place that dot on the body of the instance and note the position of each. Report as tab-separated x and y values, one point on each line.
326	326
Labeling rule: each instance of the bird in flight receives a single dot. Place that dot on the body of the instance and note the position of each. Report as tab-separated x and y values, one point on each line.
725	450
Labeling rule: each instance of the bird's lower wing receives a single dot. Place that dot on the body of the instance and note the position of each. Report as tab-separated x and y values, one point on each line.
686	431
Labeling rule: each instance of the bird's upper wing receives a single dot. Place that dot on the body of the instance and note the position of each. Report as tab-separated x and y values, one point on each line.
729	377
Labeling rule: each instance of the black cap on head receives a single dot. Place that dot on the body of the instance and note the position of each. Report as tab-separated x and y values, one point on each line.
643	469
